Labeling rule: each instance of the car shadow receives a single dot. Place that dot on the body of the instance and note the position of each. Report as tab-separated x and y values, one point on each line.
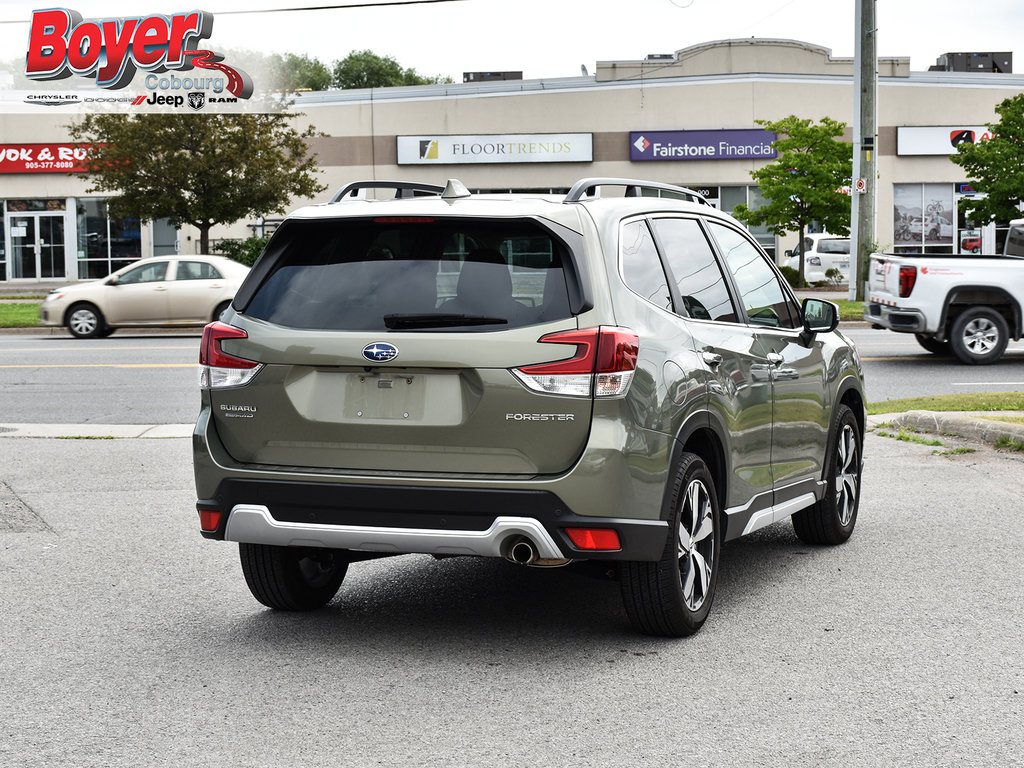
413	602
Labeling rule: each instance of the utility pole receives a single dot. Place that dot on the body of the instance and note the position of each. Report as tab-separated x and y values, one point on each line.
865	127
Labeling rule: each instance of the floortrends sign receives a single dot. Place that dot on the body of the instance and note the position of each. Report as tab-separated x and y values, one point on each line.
502	148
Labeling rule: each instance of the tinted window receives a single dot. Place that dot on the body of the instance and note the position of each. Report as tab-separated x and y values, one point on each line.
761	292
641	266
413	275
695	270
147	273
834	246
197	270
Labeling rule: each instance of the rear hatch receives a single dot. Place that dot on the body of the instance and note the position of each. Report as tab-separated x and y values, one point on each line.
388	345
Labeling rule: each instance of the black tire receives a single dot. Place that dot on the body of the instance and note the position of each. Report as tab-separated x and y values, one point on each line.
979	336
220	310
831	520
85	321
932	344
107	331
672	597
292	578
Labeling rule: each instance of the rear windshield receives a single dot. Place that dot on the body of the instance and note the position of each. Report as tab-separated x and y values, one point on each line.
412	274
834	246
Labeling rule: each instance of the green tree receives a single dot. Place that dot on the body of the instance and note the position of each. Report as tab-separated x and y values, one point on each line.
200	170
301	73
365	69
804	183
996	166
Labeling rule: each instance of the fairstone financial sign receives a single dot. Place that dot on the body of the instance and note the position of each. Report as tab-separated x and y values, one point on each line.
732	144
501	148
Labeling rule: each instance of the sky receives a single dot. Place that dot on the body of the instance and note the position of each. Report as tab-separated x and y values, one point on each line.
555	38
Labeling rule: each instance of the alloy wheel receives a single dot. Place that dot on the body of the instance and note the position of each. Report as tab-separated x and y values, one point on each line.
696	544
846	474
980	336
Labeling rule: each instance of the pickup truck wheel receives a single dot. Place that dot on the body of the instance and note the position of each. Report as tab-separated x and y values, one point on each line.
979	336
932	344
292	578
672	597
831	520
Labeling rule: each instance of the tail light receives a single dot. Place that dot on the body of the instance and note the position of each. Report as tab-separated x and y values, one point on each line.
908	276
602	366
217	368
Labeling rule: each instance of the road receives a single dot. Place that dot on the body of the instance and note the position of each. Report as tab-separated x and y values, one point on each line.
896	366
151	379
128	640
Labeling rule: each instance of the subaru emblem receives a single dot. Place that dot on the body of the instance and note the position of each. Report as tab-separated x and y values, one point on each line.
380	352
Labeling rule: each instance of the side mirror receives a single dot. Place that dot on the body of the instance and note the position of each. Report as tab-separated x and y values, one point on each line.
112	280
819	316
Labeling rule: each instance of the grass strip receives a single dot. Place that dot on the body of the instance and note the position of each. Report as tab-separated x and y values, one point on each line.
971	401
19	315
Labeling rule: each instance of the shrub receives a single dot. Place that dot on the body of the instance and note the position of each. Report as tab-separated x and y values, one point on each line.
246	251
792	277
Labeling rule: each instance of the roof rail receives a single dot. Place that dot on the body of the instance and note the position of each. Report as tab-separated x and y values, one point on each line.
590	188
357	189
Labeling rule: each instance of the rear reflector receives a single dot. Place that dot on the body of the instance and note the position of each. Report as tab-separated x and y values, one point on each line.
209	519
602	366
217	368
594	539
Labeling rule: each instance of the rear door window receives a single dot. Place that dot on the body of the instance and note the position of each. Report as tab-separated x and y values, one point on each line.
695	269
413	274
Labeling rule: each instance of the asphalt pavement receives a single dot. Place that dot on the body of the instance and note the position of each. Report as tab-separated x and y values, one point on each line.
128	640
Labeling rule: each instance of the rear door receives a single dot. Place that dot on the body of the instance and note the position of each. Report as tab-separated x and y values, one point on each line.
388	346
195	290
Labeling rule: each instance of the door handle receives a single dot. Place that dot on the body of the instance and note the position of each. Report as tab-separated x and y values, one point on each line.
161	288
711	358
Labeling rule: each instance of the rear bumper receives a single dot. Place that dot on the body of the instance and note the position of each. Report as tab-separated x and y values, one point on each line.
899	319
397	519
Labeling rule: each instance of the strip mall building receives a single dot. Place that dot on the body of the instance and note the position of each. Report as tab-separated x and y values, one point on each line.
689	118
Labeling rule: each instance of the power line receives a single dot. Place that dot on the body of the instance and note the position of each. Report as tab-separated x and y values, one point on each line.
330	7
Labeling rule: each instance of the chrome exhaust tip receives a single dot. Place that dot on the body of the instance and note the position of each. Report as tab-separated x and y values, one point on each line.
522	552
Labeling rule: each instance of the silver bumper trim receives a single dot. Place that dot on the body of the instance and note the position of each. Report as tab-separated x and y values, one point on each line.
253	524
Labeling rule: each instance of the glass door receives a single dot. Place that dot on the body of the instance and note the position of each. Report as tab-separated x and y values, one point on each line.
37	246
22	260
50	262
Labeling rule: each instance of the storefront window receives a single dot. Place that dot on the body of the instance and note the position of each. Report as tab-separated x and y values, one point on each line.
25	206
753	199
923	218
104	244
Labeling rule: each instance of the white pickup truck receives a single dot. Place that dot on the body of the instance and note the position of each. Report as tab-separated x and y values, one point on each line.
967	305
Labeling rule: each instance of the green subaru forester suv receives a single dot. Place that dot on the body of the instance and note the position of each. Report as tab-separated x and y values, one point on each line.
618	376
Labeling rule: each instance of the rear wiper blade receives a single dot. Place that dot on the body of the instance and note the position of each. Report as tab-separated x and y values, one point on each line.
439	320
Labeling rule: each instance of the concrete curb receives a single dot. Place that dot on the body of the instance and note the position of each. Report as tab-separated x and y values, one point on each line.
96	431
963	424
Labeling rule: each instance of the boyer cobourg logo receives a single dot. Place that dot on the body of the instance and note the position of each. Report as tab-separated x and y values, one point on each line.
111	51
